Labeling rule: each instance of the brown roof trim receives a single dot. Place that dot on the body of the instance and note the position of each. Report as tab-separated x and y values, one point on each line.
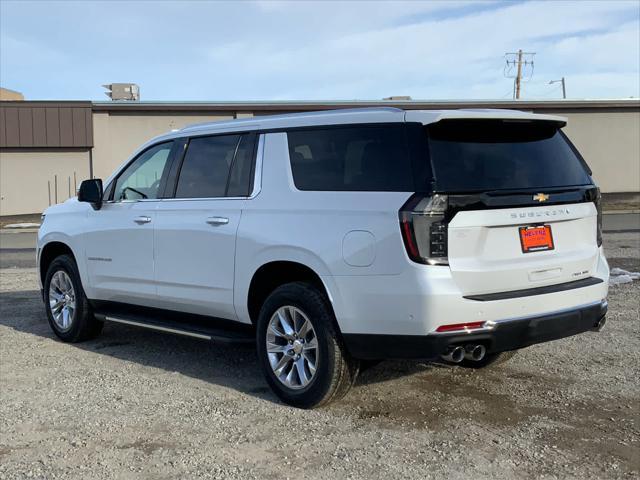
301	106
46	103
27	124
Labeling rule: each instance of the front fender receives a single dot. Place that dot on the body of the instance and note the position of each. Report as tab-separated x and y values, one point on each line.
65	228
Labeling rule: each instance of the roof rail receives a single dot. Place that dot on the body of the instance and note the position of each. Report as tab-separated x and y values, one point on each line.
267	118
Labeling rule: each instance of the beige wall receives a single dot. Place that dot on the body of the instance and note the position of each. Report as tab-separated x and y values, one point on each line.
117	136
610	143
24	178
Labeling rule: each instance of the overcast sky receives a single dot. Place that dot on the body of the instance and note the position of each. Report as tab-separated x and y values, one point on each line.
206	51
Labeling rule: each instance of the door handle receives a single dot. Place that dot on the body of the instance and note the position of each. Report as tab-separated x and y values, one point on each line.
217	220
142	219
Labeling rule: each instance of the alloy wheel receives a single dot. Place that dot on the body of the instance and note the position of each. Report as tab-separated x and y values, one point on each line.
62	300
292	347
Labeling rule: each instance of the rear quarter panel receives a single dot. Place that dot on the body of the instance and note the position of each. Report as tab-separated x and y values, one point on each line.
333	233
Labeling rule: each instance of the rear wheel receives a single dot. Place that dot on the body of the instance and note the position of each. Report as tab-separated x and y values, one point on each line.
490	359
68	309
300	349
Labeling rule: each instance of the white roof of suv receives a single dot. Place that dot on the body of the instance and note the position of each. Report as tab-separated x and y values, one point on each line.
347	116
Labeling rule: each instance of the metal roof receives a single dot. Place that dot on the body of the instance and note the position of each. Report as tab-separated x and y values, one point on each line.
306	105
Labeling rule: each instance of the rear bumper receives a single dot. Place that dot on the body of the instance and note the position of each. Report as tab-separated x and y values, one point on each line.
422	298
498	336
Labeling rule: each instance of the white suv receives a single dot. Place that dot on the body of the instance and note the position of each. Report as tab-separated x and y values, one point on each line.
334	237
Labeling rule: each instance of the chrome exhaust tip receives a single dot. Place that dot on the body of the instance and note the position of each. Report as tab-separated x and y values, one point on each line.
475	353
454	354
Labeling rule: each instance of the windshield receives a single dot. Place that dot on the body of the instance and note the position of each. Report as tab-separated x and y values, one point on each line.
484	155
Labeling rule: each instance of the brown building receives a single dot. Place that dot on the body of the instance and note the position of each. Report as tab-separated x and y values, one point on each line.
47	148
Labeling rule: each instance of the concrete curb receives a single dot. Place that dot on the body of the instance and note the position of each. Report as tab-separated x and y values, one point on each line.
19	230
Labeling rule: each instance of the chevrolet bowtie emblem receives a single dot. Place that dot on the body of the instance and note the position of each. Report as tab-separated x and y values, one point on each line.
541	197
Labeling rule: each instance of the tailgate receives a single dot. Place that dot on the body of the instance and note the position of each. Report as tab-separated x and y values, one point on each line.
487	254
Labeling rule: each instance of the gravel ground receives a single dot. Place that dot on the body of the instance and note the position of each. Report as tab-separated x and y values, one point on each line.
137	404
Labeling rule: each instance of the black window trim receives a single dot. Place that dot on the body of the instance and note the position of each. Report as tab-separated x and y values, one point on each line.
176	168
163	179
576	152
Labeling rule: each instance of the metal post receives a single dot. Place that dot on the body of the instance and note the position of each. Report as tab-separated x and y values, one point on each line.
91	162
49	190
564	88
55	188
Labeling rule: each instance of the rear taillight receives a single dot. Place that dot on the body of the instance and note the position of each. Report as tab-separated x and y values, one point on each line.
598	203
424	230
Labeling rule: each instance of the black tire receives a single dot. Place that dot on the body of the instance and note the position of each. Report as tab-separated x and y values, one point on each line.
489	360
335	370
83	325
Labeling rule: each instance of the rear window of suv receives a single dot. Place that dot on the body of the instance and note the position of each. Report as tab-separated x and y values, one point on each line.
484	155
353	158
454	156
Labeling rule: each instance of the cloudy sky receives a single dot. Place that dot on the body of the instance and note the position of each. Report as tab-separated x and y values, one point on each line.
205	50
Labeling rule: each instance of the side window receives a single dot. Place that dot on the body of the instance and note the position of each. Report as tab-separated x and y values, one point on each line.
142	178
359	158
241	172
206	165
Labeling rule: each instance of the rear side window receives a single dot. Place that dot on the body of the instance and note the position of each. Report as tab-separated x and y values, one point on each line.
242	169
485	155
362	158
208	163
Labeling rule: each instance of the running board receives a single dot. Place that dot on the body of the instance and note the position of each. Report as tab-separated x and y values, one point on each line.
194	326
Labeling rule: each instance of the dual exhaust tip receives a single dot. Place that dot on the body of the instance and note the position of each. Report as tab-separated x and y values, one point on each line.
474	352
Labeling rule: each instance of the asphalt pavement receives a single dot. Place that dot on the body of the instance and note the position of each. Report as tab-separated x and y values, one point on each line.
621	222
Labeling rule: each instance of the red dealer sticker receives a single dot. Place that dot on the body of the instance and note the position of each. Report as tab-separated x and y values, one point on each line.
536	239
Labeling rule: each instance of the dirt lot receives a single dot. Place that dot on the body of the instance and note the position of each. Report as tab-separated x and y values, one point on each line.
137	404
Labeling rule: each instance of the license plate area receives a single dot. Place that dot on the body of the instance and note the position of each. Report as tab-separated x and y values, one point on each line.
536	238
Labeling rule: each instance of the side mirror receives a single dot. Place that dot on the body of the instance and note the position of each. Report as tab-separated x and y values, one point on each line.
91	192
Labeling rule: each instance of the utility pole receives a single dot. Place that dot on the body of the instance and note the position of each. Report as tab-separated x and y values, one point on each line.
517	60
564	90
519	75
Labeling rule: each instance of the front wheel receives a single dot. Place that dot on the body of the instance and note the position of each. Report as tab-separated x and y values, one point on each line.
68	309
300	350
